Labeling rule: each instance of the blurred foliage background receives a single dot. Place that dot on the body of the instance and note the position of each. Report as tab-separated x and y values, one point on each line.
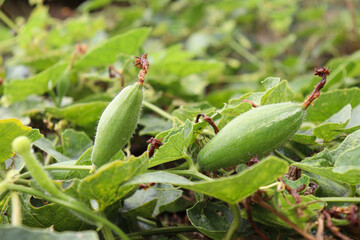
201	53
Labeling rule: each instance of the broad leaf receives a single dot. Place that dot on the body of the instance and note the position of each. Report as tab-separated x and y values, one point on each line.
260	174
153	201
9	232
340	164
103	185
332	102
174	145
211	219
47	146
106	53
41	83
9	130
329	129
85	115
74	143
277	94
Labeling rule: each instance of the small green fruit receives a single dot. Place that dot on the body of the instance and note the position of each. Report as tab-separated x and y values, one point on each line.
117	124
258	131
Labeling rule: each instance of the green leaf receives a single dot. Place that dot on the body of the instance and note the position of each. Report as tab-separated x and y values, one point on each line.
153	125
85	160
41	83
75	143
348	163
45	145
174	145
9	232
36	214
304	137
103	185
354	122
106	53
270	82
9	130
277	94
185	68
22	109
328	187
153	201
332	102
190	111
297	183
331	127
281	204
229	113
341	159
226	189
85	115
211	219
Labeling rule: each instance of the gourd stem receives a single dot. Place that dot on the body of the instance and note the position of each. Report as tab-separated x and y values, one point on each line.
341	199
157	110
235	209
106	230
73	205
16	216
189	161
284	157
352	191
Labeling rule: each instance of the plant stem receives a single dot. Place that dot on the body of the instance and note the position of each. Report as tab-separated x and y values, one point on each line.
163	230
8	21
244	53
341	199
61	167
146	221
73	205
157	110
16	216
191	172
284	157
235	209
107	233
352	191
271	209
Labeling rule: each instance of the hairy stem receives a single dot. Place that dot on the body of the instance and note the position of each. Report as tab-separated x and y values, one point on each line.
157	110
235	209
352	191
73	205
16	216
284	157
341	199
61	167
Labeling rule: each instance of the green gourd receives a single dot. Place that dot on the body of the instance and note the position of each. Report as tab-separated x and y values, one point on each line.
117	124
258	131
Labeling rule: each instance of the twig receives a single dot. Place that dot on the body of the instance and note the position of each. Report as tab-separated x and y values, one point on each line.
320	229
208	120
335	230
257	198
246	202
